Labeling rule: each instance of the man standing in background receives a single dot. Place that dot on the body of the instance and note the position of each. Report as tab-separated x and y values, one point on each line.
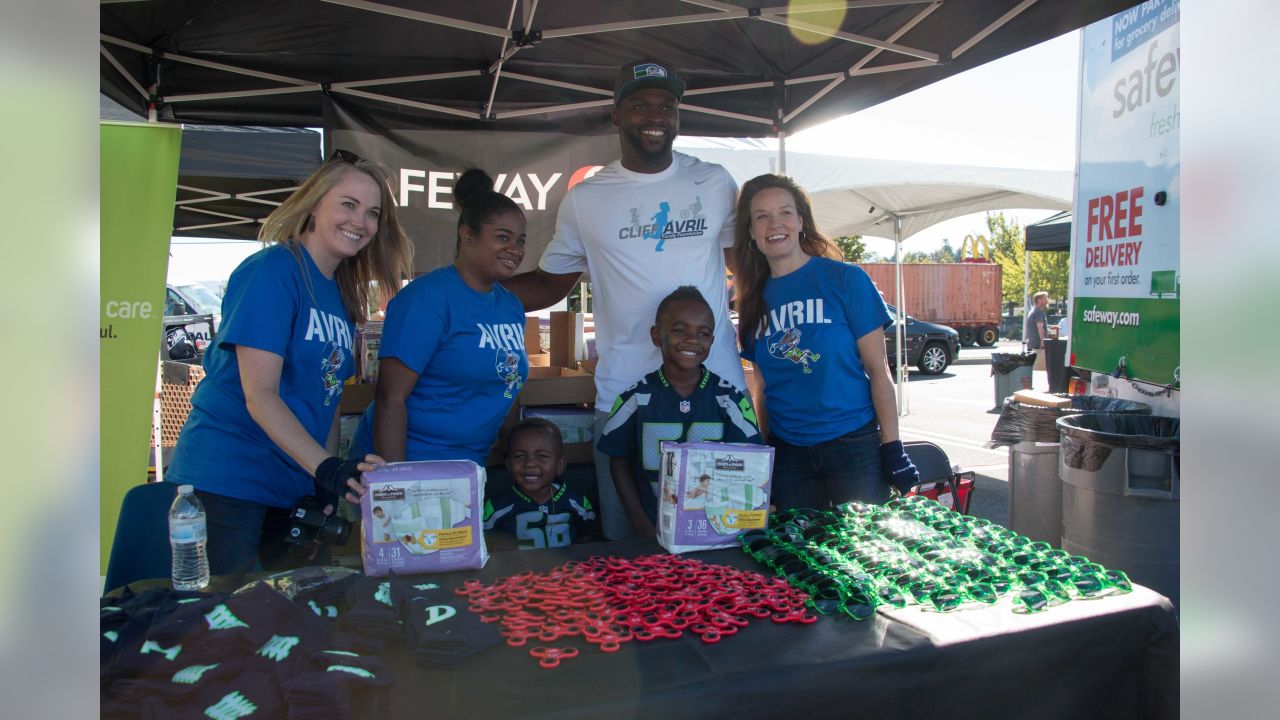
1034	330
686	207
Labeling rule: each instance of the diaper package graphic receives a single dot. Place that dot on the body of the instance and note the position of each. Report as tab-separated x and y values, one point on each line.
709	492
423	517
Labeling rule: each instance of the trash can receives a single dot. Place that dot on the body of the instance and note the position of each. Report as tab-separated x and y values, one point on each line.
1120	490
1055	364
1012	372
1031	432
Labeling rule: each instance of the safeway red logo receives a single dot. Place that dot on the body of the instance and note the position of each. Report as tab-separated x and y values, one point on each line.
583	173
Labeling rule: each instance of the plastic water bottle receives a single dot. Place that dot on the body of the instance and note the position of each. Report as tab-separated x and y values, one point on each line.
187	538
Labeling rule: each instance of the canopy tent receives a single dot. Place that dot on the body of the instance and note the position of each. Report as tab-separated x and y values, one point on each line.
230	178
864	196
752	70
1052	233
895	199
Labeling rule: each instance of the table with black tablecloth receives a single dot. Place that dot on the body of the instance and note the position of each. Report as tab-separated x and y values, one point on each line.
1114	657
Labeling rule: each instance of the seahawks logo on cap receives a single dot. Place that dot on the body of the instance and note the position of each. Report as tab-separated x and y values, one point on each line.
649	70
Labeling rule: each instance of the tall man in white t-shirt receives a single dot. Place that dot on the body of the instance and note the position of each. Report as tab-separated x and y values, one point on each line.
642	226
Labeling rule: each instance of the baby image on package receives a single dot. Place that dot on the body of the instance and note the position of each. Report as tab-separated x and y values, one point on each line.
710	492
422	517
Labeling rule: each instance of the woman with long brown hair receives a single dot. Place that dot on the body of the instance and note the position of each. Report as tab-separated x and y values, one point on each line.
814	328
263	428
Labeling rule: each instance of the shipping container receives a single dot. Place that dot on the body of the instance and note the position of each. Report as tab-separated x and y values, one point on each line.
965	296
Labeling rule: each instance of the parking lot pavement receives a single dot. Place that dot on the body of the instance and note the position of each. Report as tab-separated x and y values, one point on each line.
956	410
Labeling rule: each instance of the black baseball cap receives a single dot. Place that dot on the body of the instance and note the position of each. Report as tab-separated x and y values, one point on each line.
641	74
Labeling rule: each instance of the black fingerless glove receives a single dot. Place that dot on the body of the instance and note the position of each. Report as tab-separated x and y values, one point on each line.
332	475
897	466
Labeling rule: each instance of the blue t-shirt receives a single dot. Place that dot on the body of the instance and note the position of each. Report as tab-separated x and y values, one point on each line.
815	386
468	350
652	412
280	303
558	522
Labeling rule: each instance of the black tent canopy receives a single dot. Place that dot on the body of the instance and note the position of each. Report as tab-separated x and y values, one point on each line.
231	177
753	70
1052	233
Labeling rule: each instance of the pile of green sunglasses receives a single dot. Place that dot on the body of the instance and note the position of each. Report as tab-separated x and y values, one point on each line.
913	550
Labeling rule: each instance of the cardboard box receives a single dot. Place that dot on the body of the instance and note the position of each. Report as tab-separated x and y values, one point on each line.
532	335
355	398
557	385
567	344
576	423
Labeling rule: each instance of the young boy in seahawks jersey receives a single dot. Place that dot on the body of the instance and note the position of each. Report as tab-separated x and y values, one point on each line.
539	512
681	401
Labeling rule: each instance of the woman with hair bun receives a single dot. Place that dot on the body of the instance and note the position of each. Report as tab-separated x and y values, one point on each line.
263	428
452	357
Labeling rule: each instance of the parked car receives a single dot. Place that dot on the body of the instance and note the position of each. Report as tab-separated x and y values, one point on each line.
189	324
930	347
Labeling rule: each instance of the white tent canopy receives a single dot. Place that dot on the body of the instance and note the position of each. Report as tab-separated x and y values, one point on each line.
896	199
863	196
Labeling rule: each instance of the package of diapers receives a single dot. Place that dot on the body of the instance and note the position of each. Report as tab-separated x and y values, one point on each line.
423	517
709	492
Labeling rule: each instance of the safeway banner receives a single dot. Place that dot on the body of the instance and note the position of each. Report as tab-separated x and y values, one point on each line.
138	181
1126	277
535	169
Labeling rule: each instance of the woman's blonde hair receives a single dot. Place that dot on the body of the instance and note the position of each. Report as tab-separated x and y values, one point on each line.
386	260
751	268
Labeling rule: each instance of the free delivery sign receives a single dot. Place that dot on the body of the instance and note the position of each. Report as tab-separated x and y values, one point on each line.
1125	232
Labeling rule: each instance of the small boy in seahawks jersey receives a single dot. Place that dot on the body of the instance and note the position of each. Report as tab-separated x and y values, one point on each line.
681	401
537	510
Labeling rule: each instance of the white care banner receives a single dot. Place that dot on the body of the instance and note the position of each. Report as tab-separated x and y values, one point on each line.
1125	234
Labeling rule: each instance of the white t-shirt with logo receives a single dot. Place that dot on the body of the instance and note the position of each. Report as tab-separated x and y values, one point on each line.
642	235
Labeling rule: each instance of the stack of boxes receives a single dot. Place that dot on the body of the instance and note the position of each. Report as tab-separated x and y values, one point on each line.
563	391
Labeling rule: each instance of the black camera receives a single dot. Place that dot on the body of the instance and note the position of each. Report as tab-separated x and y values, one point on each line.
308	524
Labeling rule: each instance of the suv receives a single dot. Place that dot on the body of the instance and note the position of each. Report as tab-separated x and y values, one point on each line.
189	321
930	347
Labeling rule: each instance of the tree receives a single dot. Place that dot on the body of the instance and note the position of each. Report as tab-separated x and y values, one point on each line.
1050	271
915	256
944	254
852	247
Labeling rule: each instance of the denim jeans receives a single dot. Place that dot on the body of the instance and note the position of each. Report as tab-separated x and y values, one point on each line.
248	537
846	468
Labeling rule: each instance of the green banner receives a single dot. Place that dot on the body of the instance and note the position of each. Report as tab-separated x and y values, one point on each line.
138	181
1127	334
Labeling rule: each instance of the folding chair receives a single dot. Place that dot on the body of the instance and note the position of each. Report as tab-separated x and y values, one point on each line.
937	476
140	549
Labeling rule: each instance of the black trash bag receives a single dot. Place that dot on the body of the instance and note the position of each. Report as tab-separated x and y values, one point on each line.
1008	362
1087	440
1021	422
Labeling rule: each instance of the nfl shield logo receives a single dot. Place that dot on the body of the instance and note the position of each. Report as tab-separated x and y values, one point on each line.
685	406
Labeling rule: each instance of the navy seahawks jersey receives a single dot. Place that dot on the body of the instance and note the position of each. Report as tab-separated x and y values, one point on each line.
558	522
652	412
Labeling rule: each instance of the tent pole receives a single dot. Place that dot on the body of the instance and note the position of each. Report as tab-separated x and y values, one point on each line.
900	321
1026	290
782	152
